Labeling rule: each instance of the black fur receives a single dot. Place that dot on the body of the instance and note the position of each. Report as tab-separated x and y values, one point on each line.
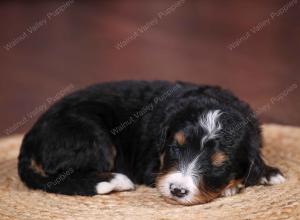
112	128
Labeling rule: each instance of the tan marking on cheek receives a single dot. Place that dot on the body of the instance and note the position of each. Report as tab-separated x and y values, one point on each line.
204	195
180	137
218	159
37	168
162	176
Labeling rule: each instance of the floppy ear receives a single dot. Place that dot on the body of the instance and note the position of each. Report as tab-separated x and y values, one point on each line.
255	169
260	173
255	164
162	137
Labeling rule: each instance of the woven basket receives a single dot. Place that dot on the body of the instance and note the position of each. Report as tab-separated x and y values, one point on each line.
282	149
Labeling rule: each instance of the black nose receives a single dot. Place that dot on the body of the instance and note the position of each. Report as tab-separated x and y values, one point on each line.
178	191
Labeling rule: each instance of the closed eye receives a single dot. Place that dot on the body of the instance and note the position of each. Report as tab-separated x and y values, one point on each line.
175	150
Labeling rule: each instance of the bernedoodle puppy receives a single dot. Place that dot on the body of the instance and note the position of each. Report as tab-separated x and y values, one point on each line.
193	143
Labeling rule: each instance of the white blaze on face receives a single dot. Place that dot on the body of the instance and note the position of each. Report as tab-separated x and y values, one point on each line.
211	125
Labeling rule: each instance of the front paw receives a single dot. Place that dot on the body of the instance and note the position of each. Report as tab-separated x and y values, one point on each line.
272	180
272	177
230	191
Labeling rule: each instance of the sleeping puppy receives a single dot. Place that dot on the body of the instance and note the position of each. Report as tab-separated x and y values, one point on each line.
194	143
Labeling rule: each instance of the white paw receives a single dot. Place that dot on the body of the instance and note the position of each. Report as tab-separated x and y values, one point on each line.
273	180
120	182
230	191
104	187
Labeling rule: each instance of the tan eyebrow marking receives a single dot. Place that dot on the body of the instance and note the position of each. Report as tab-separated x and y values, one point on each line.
218	158
180	137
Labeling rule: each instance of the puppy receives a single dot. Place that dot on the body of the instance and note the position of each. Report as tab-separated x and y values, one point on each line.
194	143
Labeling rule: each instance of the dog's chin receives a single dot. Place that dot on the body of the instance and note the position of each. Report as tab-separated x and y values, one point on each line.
194	200
189	202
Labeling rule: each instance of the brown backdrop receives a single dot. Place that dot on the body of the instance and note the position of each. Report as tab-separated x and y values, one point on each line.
49	49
